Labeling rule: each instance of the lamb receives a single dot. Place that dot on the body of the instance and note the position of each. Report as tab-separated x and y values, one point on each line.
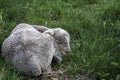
31	49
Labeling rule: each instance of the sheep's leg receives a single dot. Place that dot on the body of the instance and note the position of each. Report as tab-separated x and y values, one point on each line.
34	66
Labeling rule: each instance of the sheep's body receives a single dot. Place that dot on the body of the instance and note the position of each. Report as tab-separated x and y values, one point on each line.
31	52
28	50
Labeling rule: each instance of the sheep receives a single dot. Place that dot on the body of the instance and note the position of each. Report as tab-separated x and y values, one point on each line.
31	49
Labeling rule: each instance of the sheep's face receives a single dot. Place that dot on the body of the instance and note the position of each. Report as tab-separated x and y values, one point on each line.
62	38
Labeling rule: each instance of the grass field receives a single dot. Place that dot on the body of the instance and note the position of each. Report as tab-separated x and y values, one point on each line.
94	27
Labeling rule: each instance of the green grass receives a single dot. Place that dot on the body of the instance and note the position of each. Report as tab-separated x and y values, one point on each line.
94	27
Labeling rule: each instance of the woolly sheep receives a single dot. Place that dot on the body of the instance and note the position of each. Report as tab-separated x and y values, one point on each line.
31	49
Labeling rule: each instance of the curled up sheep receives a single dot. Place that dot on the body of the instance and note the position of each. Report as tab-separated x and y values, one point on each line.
32	48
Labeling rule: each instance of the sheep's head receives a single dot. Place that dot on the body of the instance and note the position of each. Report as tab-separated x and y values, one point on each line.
62	39
62	45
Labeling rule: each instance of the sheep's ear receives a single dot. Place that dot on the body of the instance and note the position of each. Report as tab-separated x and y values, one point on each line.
50	31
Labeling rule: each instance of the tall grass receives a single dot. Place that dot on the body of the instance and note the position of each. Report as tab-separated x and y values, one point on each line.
94	27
